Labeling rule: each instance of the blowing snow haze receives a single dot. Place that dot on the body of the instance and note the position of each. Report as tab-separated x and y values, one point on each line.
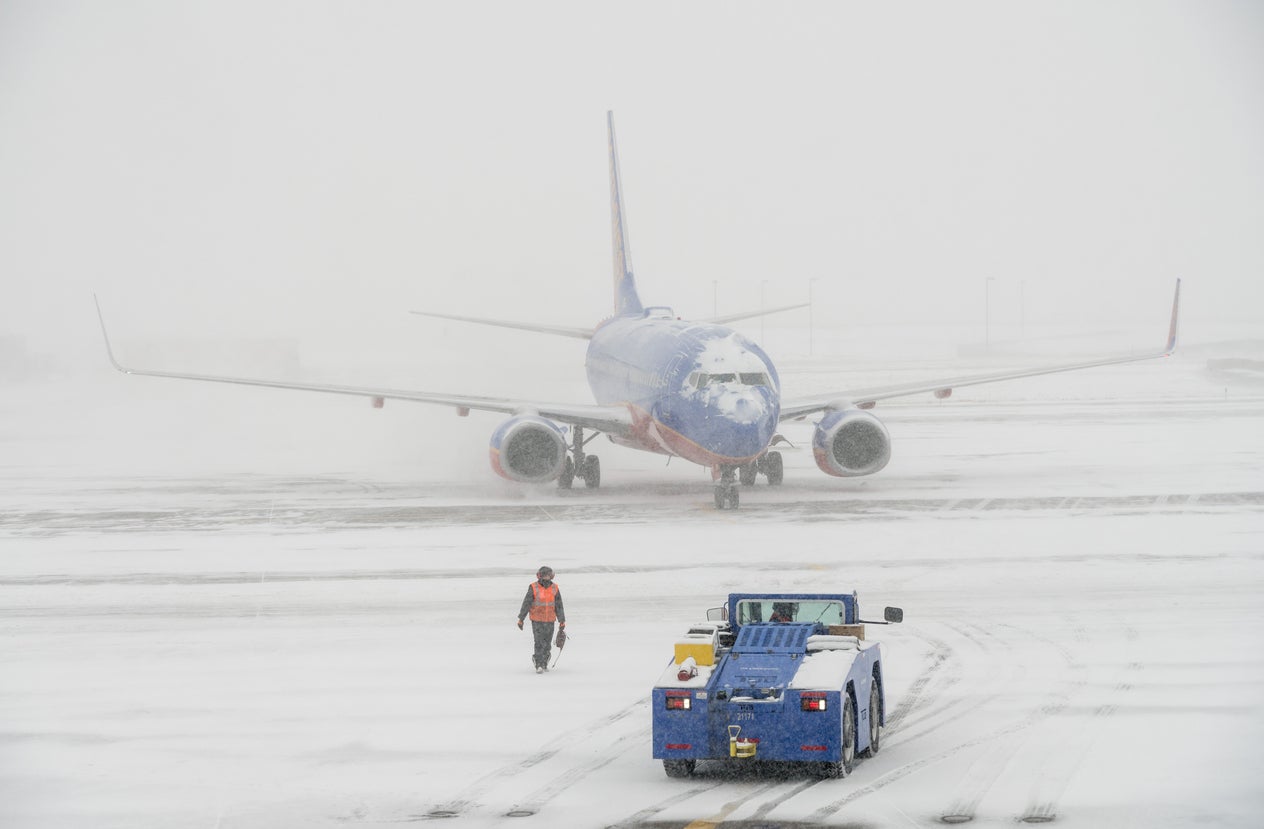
224	606
306	172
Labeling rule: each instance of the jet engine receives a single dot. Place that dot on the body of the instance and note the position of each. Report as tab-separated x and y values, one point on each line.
851	442
527	449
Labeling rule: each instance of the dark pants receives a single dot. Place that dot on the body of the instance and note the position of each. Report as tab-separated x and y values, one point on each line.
543	642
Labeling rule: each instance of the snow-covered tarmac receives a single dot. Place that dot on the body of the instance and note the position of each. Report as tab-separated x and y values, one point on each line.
1080	563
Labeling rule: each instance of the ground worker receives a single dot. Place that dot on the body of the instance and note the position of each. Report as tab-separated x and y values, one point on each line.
543	604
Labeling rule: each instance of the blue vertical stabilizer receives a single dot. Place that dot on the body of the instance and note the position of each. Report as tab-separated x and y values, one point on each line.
626	300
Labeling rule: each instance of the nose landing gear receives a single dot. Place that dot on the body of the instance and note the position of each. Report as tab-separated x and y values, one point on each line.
726	490
727	477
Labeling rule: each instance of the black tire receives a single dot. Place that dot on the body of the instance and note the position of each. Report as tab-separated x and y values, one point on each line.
678	768
726	497
567	476
833	771
592	472
746	473
875	720
849	735
774	469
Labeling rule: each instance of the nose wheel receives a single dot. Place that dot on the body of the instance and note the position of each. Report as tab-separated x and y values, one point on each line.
726	489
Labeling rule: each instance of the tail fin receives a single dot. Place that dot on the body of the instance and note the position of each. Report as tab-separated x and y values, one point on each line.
626	300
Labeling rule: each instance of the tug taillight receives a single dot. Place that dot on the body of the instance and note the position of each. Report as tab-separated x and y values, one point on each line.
812	701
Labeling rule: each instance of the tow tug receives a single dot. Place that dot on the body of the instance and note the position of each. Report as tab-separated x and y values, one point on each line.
786	677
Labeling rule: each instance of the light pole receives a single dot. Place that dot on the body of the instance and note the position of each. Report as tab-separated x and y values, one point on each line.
1022	309
762	305
811	310
987	313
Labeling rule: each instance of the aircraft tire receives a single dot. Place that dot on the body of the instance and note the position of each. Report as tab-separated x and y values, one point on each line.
592	472
726	497
746	473
774	468
567	476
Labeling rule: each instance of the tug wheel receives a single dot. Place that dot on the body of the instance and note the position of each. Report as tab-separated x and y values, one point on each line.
849	735
678	768
843	767
875	720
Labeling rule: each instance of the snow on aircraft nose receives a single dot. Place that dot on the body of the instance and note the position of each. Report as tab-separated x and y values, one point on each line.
743	419
722	423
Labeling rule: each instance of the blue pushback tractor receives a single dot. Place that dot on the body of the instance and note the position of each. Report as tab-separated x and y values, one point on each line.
786	677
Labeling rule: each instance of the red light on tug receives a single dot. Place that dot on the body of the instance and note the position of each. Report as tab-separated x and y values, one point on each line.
812	701
678	700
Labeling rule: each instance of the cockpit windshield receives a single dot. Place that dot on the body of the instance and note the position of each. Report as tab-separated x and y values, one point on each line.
702	379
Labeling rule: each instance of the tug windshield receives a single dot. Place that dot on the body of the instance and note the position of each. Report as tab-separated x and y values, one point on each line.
825	611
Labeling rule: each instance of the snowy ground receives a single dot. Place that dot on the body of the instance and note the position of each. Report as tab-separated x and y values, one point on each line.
192	640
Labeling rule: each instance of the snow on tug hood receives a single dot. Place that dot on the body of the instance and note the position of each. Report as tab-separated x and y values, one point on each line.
828	661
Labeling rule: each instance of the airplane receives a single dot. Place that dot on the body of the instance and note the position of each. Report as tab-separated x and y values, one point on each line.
697	390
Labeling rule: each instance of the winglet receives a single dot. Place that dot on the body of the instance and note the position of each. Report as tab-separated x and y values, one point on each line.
626	300
109	352
1171	331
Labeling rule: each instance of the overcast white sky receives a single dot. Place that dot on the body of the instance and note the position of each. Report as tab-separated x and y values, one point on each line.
272	168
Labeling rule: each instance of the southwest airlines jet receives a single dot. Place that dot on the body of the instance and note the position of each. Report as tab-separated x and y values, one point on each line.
695	390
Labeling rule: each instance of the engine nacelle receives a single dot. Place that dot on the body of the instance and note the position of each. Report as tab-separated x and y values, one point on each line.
528	449
850	443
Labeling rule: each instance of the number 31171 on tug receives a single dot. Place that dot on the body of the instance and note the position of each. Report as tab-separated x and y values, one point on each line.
785	677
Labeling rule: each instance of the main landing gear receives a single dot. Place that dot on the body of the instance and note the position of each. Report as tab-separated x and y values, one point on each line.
586	467
768	464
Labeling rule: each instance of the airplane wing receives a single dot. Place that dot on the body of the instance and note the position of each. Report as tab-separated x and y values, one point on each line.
613	420
791	410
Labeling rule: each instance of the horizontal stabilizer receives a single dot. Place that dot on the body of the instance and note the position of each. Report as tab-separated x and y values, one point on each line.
745	315
558	330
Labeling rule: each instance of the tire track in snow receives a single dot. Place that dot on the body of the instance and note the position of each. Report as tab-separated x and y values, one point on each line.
921	714
937	720
470	797
1066	756
990	764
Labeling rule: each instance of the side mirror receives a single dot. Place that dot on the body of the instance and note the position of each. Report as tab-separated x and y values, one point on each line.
893	615
717	614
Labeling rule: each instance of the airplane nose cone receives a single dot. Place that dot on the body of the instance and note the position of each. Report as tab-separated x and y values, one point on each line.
745	419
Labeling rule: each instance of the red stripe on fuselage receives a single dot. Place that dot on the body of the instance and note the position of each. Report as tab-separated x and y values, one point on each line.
671	442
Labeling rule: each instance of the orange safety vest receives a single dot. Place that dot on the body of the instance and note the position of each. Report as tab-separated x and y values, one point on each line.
542	602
